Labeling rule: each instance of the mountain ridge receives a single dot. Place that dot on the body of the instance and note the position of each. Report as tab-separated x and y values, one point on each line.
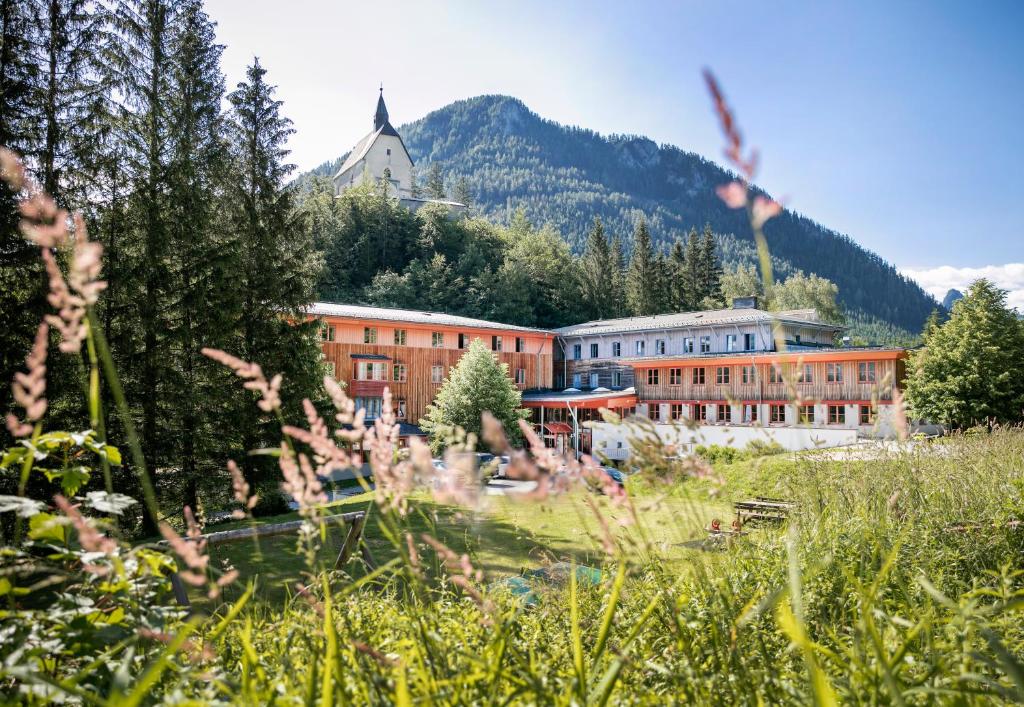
566	175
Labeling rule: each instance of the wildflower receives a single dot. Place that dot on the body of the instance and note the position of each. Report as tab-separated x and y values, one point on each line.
733	138
240	487
190	551
764	209
89	538
12	170
252	374
86	264
301	483
734	194
70	317
28	388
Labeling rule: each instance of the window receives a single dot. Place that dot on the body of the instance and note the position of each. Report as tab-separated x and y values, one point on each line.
593	351
463	341
594	380
370	335
652	376
559	380
866	372
834	372
659	347
725	413
577	352
807	414
806	374
676	411
837	414
722	375
520	344
697	377
655	412
367	371
521	376
401	375
616	348
700	412
749	374
705	344
327	332
778	413
639	348
400	409
437	374
775	374
730	342
675	376
399	337
577	380
867	417
372	407
495	343
688	345
389	152
616	379
437	339
750	413
748	342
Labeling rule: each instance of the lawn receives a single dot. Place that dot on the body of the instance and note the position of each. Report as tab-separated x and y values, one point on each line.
505	536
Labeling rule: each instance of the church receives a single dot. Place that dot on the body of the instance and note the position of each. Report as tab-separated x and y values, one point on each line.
382	156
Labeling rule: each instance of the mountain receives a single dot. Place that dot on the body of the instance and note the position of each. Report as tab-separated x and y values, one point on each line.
566	176
950	299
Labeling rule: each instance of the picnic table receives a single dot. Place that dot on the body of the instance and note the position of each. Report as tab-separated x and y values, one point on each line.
762	509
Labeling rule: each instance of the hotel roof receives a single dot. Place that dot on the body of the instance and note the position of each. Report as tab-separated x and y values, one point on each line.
713	317
411	316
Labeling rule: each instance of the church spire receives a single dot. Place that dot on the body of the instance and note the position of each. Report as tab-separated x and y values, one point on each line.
380	118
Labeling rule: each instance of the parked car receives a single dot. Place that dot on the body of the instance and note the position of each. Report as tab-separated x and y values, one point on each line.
615	475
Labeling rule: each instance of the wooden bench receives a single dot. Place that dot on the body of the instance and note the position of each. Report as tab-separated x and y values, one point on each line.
762	509
355	521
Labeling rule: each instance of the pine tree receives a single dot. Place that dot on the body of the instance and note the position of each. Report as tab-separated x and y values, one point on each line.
201	307
618	296
676	267
597	275
462	193
22	283
710	271
693	284
477	383
643	277
278	267
435	182
971	369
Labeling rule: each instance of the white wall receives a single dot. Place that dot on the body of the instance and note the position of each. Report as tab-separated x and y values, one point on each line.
614	440
376	161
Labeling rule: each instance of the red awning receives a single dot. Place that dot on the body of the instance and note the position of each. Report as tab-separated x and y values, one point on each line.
558	428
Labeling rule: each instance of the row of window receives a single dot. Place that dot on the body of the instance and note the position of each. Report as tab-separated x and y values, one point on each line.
594	380
776	413
866	373
378	371
373	407
328	333
660	347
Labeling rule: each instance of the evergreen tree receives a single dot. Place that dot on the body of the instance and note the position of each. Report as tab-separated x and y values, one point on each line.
692	288
618	297
202	303
676	268
22	283
278	267
971	369
462	193
642	278
435	182
597	275
477	383
710	272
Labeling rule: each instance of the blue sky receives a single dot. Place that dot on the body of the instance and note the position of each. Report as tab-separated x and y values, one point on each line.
897	123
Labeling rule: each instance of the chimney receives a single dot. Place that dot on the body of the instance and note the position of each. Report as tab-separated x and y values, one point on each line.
744	302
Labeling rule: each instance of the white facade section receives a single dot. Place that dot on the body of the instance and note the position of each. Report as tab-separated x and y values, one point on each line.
384	155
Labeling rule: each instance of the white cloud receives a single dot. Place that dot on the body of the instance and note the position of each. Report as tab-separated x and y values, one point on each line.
937	281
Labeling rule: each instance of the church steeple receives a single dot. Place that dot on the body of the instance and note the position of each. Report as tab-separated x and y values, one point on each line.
380	118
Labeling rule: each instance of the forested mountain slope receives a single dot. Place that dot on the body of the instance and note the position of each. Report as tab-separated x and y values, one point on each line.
566	176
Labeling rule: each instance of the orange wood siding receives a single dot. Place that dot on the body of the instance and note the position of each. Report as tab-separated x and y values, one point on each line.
419	357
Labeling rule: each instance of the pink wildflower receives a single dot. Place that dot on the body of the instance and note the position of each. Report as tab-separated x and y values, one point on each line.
240	487
734	194
190	551
253	376
28	388
763	210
